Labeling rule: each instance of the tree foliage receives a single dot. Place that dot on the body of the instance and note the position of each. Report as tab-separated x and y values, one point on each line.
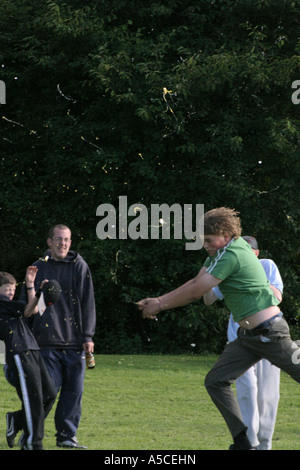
164	102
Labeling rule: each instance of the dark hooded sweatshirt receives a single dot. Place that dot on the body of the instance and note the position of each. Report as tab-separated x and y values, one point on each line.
13	328
70	322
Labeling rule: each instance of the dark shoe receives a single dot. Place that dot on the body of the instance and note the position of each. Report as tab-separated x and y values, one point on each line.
10	430
22	440
70	443
232	447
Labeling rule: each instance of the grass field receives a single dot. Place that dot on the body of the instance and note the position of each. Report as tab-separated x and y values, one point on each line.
155	403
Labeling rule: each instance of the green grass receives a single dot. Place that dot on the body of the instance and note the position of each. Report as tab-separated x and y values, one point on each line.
155	403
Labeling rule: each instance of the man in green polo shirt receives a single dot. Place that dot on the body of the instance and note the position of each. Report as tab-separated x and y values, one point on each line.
244	283
263	334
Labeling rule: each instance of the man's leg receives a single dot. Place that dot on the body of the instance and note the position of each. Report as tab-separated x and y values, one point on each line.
272	342
30	392
48	386
68	410
268	387
234	361
246	392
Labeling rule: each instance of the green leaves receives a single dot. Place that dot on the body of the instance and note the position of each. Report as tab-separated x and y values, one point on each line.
178	103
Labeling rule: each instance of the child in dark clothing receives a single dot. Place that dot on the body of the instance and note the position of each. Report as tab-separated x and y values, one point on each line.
25	369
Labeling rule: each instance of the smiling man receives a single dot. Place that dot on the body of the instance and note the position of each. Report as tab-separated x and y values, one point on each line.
59	242
66	329
242	280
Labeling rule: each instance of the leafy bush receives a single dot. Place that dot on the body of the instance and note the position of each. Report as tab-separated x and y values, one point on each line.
188	102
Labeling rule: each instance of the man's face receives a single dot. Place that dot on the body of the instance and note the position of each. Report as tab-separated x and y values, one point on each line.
8	290
60	243
212	243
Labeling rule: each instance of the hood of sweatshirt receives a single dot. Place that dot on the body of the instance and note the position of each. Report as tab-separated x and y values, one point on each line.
12	307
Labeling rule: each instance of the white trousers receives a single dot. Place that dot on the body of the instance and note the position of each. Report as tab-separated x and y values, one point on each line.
258	392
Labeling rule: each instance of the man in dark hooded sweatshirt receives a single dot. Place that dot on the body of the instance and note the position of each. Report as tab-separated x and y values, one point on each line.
65	331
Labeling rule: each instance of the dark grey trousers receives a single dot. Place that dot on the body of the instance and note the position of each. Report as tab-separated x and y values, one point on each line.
272	341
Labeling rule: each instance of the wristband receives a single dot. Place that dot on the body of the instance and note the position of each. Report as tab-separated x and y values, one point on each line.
38	292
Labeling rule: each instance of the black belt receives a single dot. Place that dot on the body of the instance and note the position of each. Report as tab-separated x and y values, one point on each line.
262	328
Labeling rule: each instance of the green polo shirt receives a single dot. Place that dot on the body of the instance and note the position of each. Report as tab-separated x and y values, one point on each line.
244	285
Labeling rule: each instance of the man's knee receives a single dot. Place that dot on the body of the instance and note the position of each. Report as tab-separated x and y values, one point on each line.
209	381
